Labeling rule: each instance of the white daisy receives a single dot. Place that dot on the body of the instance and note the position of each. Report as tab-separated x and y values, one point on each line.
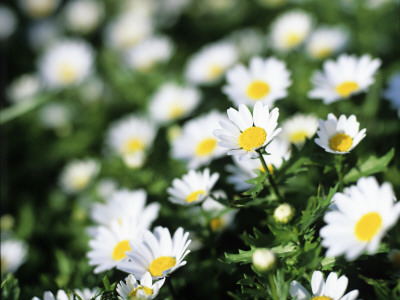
24	88
110	244
246	169
131	138
130	289
360	218
61	295
144	56
83	16
88	294
39	8
333	289
220	216
209	64
343	78
78	174
158	253
244	133
290	30
193	188
13	255
197	145
106	187
248	41
172	101
125	204
55	115
66	63
8	22
296	129
392	93
325	41
265	80
339	136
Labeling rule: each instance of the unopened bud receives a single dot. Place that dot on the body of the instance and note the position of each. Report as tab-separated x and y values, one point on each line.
284	213
264	260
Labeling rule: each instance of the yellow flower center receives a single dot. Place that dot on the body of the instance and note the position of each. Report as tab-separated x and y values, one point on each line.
161	264
322	52
257	90
147	291
216	224
367	226
340	142
133	145
206	147
252	137
292	39
214	71
298	136
67	73
321	298
120	249
346	88
39	9
176	111
193	196
79	182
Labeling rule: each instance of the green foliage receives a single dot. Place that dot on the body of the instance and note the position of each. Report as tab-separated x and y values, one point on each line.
9	288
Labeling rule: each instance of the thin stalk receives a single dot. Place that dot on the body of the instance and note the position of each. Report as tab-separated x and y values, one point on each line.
273	286
339	170
171	288
270	178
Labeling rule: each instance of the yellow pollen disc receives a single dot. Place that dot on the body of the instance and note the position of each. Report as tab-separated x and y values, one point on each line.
298	136
367	226
322	52
161	264
206	147
321	298
80	182
216	224
176	111
257	90
147	291
67	73
214	71
252	137
340	142
120	249
292	39
346	88
133	145
193	196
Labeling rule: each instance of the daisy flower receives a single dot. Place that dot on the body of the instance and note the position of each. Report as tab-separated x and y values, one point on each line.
55	116
125	204
361	216
131	138
290	30
83	16
392	93
343	78
130	289
78	174
221	217
244	133
209	65
39	8
246	169
61	295
298	128
248	41
87	294
13	255
193	188
158	253
339	136
65	63
110	244
265	80
172	101
325	41
196	144
144	56
333	289
24	88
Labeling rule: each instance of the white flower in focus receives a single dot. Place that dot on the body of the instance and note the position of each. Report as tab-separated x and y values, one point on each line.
361	216
265	80
110	244
326	41
130	289
66	63
131	138
333	289
290	30
126	204
343	78
61	295
296	129
193	188
158	253
87	294
264	260
145	55
78	174
172	101
8	22
210	64
83	16
339	136
392	93
197	145
244	133
13	255
39	8
24	88
283	213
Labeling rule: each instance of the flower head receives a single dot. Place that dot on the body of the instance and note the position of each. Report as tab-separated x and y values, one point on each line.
326	41
298	128
13	254
83	16
130	289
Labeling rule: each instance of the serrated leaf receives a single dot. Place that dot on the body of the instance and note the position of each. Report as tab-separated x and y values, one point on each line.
243	257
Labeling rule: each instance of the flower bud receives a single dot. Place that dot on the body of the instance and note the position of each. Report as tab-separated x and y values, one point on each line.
284	213
264	260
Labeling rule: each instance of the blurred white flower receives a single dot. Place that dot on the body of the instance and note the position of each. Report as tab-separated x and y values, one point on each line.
24	88
168	11
326	41
392	93
290	30
106	187
13	255
39	8
88	294
92	89
297	128
66	63
61	295
172	101
8	22
130	289
210	64
43	33
55	115
221	217
248	41
83	16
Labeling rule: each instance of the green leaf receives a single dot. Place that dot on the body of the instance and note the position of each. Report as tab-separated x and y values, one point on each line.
371	166
244	257
106	283
9	288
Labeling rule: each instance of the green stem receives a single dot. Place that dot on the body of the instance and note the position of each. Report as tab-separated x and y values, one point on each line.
171	288
270	178
339	170
273	286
